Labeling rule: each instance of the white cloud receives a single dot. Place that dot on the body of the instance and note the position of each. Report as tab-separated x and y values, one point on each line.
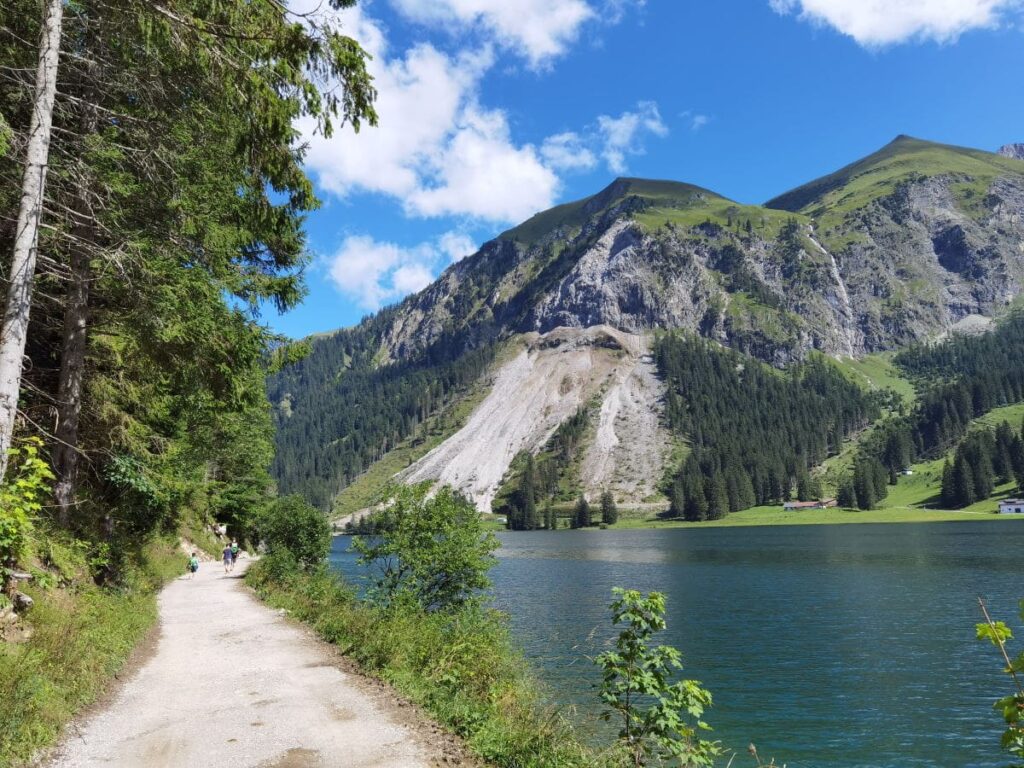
622	135
375	273
568	151
456	245
699	121
538	29
482	173
435	149
876	23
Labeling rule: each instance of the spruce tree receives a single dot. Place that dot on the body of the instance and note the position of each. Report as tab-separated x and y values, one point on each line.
609	512
963	482
948	494
845	496
581	513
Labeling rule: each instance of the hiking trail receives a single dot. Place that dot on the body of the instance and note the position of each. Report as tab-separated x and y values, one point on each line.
232	682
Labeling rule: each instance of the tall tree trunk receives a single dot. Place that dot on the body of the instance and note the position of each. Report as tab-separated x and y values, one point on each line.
69	390
76	309
23	262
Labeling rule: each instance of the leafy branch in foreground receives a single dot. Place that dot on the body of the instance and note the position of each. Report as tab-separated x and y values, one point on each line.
661	719
20	502
1012	706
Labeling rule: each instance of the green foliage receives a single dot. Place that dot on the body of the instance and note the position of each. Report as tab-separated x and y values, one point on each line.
21	497
294	530
661	720
959	381
435	557
1011	707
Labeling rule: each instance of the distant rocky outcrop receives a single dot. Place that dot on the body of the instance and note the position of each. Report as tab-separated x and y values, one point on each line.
1016	151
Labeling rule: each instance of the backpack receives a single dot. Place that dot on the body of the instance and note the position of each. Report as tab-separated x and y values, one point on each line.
193	564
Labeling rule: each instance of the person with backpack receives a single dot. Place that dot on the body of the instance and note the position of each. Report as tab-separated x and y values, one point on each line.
226	555
192	566
235	549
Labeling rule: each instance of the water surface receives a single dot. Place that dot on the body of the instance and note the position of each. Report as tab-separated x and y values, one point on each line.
826	645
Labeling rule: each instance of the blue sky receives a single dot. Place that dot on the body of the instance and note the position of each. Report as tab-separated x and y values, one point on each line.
491	110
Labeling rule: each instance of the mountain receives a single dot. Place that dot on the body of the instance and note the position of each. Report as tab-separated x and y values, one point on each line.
1016	151
553	319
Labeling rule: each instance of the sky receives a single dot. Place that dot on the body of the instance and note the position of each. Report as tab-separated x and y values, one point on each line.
492	110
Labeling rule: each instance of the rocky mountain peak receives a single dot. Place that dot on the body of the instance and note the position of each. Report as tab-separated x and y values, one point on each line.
1016	151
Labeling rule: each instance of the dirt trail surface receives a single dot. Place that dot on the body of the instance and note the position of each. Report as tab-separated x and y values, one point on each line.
233	683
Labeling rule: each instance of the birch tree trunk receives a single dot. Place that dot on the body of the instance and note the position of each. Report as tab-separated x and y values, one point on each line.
23	262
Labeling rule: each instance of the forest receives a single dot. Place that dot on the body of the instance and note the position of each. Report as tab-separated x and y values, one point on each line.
339	390
957	380
754	432
172	212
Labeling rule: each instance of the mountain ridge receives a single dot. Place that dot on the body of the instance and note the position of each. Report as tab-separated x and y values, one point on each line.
908	244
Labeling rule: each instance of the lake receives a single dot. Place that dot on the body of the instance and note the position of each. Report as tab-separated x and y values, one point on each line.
825	645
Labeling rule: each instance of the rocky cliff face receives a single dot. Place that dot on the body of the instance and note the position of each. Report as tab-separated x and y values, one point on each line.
906	262
1016	151
921	261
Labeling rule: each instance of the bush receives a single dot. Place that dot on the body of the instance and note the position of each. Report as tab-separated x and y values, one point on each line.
292	529
661	719
20	501
435	556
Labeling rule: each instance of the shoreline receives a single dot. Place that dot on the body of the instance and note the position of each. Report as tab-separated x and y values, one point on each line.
758	517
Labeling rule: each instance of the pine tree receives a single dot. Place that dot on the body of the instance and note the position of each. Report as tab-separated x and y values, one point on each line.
963	482
864	484
948	494
717	500
845	496
581	513
550	519
609	512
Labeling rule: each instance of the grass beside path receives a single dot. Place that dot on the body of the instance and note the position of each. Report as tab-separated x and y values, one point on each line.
462	668
81	636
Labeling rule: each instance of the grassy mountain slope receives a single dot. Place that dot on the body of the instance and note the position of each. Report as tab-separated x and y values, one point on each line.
879	173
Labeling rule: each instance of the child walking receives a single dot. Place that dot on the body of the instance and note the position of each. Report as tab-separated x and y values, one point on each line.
192	566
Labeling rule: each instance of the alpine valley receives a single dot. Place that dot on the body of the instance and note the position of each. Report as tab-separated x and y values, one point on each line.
667	345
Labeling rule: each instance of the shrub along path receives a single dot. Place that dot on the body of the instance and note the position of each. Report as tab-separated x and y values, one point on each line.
234	683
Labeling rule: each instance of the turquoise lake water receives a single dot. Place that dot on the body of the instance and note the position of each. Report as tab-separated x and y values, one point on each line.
847	645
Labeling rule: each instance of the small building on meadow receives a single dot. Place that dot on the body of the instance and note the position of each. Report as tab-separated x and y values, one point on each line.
798	505
1011	507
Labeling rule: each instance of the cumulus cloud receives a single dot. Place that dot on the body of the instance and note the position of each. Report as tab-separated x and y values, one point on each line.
481	172
456	245
375	273
623	135
568	151
876	23
538	30
436	149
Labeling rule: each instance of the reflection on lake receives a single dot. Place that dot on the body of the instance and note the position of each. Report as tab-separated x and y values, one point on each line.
845	645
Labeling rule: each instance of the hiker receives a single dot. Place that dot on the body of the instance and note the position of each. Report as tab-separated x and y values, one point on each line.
228	562
192	566
235	549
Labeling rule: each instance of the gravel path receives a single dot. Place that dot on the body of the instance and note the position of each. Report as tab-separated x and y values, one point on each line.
232	683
